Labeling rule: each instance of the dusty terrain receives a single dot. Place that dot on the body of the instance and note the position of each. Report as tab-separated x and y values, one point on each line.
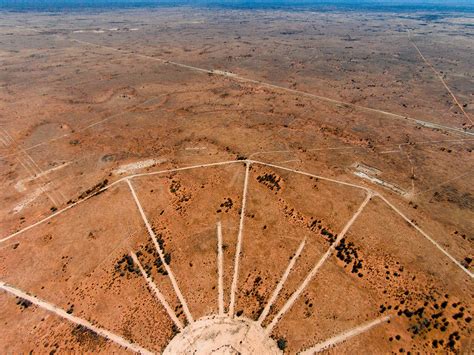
307	174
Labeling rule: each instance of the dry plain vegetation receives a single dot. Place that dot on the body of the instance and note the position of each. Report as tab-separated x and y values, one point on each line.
307	172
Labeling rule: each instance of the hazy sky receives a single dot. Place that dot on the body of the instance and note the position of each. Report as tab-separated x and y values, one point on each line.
5	4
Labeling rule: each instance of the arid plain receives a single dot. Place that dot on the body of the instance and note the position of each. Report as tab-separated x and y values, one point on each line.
308	173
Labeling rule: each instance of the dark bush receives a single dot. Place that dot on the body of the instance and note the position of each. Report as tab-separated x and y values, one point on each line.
281	344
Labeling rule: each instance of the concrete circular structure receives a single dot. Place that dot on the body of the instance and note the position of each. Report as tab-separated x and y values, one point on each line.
222	335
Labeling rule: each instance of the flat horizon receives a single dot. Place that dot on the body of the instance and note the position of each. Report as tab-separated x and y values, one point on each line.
373	5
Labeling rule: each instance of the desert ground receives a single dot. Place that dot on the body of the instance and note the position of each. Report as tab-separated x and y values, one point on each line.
275	181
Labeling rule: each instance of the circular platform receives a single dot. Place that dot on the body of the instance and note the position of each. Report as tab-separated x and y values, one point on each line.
222	335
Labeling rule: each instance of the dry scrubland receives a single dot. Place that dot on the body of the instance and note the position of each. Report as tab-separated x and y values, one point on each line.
87	99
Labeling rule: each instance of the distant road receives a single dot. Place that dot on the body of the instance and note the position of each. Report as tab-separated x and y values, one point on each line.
237	77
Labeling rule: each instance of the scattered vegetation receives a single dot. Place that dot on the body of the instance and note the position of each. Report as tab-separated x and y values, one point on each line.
181	194
174	187
347	253
467	262
87	337
226	205
281	342
178	310
308	307
149	258
22	303
432	319
451	194
271	181
94	191
330	237
126	265
70	310
254	290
